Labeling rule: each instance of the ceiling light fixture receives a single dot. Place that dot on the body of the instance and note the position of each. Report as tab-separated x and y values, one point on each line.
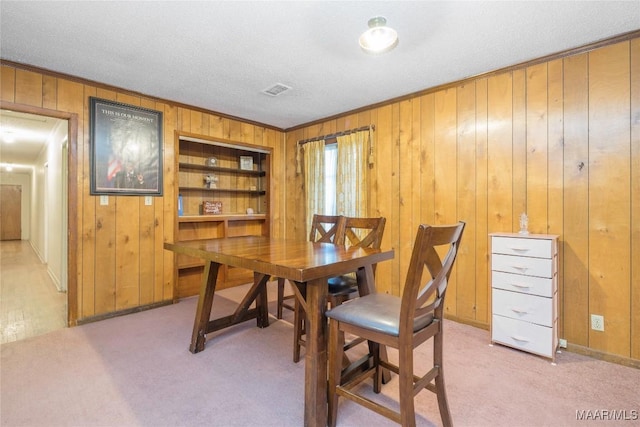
378	38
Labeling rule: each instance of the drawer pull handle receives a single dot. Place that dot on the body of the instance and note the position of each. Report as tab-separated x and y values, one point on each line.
520	249
520	267
518	285
519	338
519	310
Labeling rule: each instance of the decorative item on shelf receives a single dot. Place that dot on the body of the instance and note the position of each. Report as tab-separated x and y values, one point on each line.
252	188
211	161
213	207
249	211
246	163
210	181
524	224
180	206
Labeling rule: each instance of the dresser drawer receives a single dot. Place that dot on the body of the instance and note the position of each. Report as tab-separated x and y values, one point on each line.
539	267
538	248
542	286
530	308
523	335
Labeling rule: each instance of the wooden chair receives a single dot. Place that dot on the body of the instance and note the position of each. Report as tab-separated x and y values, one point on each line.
358	232
324	228
402	323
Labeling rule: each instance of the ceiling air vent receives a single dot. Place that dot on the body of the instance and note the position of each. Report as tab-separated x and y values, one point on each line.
276	89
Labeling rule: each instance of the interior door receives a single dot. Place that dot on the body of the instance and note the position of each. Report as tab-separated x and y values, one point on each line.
10	212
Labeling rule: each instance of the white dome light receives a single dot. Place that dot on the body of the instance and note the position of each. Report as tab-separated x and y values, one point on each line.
378	38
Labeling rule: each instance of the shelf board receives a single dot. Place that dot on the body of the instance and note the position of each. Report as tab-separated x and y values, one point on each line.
189	265
220	218
224	190
194	166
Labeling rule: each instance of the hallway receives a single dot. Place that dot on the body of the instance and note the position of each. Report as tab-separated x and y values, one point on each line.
30	304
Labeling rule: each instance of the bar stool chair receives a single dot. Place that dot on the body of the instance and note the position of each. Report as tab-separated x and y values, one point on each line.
403	323
358	232
354	232
324	228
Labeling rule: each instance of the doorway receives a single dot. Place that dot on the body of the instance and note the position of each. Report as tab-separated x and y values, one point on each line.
34	261
10	212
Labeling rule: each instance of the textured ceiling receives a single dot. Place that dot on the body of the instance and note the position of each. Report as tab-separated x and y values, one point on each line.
220	55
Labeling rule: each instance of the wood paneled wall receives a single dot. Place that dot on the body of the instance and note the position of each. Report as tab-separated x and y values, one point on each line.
120	260
559	140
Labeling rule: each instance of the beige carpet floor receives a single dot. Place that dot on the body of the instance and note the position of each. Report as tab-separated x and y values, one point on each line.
136	370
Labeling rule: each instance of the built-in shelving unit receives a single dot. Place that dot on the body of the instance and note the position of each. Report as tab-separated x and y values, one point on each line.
223	188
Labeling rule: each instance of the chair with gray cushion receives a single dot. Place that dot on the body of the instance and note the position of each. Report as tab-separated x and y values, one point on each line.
324	228
403	323
361	233
351	232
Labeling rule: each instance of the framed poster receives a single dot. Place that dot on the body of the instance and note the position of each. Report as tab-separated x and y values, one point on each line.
125	149
246	163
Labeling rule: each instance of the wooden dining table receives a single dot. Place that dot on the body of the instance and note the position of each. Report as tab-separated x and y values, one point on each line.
298	261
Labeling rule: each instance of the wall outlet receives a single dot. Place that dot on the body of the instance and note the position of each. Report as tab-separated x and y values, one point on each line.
597	322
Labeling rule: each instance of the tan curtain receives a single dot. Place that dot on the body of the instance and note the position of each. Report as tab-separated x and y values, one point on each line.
351	181
314	179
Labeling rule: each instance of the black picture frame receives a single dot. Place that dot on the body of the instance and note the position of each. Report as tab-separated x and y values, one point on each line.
125	149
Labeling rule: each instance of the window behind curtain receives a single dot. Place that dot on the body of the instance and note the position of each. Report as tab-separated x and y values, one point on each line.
330	170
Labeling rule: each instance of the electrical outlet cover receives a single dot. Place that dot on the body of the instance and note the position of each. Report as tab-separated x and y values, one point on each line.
597	322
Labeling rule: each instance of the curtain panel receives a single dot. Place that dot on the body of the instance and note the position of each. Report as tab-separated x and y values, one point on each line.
314	179
352	174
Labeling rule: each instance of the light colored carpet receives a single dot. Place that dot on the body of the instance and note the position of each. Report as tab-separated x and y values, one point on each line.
136	370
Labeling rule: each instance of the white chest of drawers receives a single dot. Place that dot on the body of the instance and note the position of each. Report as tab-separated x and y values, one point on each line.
524	290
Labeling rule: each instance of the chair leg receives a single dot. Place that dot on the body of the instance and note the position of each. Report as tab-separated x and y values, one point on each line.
336	344
377	379
441	392
405	388
280	297
299	325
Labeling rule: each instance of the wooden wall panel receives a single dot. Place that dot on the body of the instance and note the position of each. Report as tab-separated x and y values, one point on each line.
519	87
445	175
558	140
500	153
427	159
466	196
7	84
49	92
635	199
406	232
384	169
28	88
166	276
536	190
609	202
555	166
481	202
575	235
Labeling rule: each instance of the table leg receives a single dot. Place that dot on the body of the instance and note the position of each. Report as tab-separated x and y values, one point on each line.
261	300
205	302
315	392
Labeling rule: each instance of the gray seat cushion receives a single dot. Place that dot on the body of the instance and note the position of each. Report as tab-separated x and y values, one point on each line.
342	285
376	312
